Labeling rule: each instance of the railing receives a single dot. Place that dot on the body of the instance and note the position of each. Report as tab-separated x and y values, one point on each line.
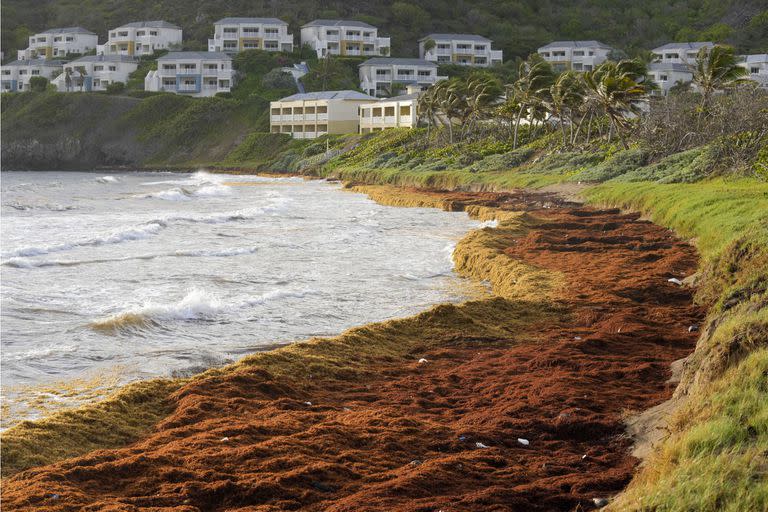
322	116
406	120
187	71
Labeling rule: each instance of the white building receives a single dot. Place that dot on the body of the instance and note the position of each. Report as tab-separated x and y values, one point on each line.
142	38
463	49
314	114
673	64
382	76
16	74
197	74
757	67
237	34
344	37
575	55
59	42
397	112
95	72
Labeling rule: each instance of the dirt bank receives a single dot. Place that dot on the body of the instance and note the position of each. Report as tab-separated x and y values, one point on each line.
512	403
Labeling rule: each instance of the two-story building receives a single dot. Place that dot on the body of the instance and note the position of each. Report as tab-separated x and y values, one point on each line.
197	74
95	72
233	35
462	49
59	42
396	112
142	38
16	74
673	64
383	76
575	55
757	67
344	37
314	114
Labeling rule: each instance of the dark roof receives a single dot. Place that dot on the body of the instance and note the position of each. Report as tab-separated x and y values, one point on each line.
329	95
575	44
669	66
32	62
685	46
389	61
338	23
149	24
461	37
68	30
106	58
233	21
195	55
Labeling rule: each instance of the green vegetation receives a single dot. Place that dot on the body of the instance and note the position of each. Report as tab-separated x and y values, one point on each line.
517	27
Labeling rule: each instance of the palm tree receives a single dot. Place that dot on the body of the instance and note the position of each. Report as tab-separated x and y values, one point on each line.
450	98
428	108
614	89
716	69
534	79
566	94
481	92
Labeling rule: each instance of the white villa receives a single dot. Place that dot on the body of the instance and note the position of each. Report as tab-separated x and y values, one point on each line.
95	72
673	64
314	114
16	74
757	67
237	34
463	49
397	112
58	42
141	38
344	37
197	74
575	55
381	75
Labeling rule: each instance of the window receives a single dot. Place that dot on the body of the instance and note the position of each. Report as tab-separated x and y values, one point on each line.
405	110
35	71
230	30
426	73
250	30
113	34
663	78
271	31
545	54
113	68
153	32
140	33
123	33
754	70
169	82
230	45
480	48
6	71
251	44
270	45
443	58
404	72
70	39
98	68
169	66
389	111
57	39
22	71
443	46
578	54
382	72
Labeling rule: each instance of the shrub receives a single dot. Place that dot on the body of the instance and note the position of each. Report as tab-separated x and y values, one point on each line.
115	88
278	79
38	84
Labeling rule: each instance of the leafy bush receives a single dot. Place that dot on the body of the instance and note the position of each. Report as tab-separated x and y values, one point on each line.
278	79
115	88
619	164
38	84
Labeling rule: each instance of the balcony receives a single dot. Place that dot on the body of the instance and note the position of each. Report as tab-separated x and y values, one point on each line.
406	119
322	116
187	71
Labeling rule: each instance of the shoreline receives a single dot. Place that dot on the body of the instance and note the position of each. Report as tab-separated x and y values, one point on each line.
477	257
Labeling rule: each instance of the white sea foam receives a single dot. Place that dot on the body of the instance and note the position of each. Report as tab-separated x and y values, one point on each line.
278	294
489	224
30	262
173	194
217	253
107	179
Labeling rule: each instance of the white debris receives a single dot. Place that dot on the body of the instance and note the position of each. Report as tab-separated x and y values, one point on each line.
600	502
675	280
481	445
523	442
224	439
577	338
422	361
307	403
584	456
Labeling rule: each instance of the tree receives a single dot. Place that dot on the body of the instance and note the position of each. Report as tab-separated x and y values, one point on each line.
278	79
115	88
716	69
529	90
481	91
566	95
38	84
429	45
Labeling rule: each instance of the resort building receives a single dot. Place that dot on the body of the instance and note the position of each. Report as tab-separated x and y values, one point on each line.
397	112
673	64
575	55
233	35
59	42
16	74
344	37
679	53
95	72
383	76
757	67
313	114
142	38
462	49
197	74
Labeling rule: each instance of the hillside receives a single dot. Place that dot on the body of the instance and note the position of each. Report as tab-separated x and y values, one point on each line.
517	26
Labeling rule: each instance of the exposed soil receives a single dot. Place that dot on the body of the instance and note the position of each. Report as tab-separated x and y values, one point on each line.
407	438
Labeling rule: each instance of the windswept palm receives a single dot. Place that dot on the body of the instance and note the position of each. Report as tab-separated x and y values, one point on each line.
716	69
531	88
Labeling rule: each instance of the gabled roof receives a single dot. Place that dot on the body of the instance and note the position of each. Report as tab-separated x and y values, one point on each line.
235	21
106	58
575	44
460	37
389	61
756	57
149	24
329	95
68	30
402	97
684	46
338	23
36	62
195	55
